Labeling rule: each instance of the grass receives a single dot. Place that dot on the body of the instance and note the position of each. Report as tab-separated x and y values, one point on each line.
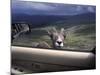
79	41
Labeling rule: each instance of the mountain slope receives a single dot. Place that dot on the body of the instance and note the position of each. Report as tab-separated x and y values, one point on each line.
44	20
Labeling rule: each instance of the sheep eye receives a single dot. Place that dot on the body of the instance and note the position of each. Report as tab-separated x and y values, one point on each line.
51	36
64	36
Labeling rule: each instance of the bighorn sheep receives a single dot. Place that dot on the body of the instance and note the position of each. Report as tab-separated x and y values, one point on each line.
57	38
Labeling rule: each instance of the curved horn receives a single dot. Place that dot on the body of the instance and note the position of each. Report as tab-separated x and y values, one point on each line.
62	30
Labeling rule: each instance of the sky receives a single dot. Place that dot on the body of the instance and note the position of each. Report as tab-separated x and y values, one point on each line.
40	8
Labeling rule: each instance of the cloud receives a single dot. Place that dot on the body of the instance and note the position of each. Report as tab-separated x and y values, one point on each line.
79	8
31	7
91	9
42	6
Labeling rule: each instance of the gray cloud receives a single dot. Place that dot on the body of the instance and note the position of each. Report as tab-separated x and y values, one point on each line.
49	8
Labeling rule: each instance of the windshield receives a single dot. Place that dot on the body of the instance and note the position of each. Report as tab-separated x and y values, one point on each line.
52	25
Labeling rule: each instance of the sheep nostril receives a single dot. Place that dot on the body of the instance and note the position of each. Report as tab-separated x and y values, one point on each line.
59	42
